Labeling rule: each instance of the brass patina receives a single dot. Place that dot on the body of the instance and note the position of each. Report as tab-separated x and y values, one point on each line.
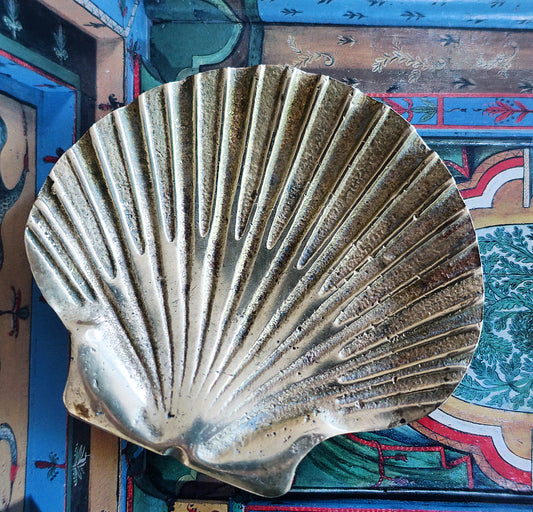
251	261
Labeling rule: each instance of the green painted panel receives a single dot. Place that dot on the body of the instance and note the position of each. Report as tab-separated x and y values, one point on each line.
206	32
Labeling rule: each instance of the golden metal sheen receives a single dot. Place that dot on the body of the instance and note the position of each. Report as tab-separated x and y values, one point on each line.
251	261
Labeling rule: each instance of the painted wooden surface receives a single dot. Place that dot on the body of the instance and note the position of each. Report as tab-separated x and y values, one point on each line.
460	70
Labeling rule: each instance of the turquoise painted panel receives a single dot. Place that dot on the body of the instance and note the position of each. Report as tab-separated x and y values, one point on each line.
500	373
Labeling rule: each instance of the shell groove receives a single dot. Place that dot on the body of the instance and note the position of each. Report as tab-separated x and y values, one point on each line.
251	261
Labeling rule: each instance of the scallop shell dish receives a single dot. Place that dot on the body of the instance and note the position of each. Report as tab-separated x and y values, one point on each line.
251	261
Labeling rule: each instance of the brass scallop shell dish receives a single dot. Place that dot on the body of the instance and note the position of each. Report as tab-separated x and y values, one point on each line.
251	261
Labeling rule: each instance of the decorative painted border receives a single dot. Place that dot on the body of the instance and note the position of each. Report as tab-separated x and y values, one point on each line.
489	438
52	81
483	187
485	115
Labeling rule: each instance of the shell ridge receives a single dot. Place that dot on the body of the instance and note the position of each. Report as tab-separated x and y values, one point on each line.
355	344
395	325
274	268
70	251
310	152
282	253
152	261
355	341
322	183
428	396
208	125
422	259
266	201
154	321
135	184
367	388
212	226
46	253
402	264
399	245
409	383
343	191
350	191
375	368
167	272
56	222
297	400
235	121
90	275
280	161
372	205
418	284
257	184
378	349
325	181
276	350
146	179
308	326
328	383
120	176
246	259
384	350
190	202
94	276
456	296
250	180
325	311
322	187
302	287
377	359
395	216
92	206
333	166
148	324
109	175
315	389
266	334
181	139
392	306
156	170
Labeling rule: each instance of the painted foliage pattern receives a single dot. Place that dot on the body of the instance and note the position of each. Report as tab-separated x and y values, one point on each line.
407	59
461	71
500	374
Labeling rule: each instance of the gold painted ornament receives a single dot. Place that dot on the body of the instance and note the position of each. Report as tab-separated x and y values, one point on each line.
251	261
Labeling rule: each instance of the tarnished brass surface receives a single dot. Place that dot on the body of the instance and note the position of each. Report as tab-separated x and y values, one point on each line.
251	261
